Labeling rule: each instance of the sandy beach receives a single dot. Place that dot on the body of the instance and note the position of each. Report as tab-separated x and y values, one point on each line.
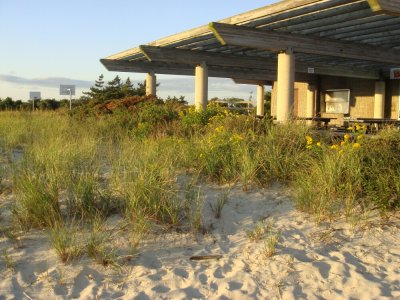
338	260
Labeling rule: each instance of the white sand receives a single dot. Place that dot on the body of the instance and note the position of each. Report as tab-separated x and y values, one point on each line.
329	261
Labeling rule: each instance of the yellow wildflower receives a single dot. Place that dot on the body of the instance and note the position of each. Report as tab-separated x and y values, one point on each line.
346	137
309	147
236	138
250	133
335	147
342	143
219	129
319	144
309	140
356	145
360	137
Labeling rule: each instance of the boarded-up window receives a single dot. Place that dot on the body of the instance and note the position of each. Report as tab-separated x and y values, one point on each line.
337	101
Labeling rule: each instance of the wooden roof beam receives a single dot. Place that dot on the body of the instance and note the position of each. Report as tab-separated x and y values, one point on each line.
179	56
251	82
181	69
387	7
278	41
173	55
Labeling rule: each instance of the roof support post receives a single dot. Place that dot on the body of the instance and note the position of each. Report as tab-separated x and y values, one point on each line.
379	103
285	92
201	86
260	100
310	107
151	84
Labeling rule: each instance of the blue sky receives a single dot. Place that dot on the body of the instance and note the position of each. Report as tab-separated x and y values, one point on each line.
44	43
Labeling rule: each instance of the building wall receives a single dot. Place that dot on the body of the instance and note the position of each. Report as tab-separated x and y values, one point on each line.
300	100
393	97
362	96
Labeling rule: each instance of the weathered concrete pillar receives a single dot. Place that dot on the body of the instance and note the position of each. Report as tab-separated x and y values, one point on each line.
260	100
151	84
379	103
310	106
285	92
201	87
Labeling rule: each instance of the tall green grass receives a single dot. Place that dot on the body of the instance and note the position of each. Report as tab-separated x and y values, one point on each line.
351	177
138	163
145	176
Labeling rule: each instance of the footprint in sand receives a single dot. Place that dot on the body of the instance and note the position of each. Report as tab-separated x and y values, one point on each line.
181	273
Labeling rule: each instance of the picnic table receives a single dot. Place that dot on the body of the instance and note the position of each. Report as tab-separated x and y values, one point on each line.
378	122
325	120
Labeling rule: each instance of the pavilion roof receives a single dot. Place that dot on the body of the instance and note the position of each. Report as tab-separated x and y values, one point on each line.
351	38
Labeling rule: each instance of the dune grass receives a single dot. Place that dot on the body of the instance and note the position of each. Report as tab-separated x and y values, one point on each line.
66	242
147	168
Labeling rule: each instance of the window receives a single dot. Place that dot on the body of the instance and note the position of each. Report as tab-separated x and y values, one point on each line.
337	101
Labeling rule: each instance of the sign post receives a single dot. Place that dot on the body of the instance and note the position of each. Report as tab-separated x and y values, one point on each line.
68	90
34	96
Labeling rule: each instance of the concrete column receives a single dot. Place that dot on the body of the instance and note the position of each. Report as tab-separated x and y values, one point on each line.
201	87
285	92
310	106
379	103
151	84
260	100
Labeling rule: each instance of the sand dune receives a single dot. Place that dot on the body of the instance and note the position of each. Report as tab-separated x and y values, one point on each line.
336	260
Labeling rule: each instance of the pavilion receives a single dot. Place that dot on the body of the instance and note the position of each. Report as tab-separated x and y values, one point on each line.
321	57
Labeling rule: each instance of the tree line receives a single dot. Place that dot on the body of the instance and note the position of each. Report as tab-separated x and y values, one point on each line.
101	91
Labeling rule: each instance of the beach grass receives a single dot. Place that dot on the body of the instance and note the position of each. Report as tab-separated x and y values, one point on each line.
146	166
66	242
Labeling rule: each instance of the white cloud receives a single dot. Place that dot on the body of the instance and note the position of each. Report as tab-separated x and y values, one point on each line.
49	82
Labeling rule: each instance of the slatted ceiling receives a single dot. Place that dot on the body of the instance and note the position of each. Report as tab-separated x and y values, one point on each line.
295	12
394	44
363	32
330	29
318	18
374	21
375	36
346	20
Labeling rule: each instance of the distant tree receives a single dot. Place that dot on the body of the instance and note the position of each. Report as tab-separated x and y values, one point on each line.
97	91
267	103
48	104
7	104
233	99
113	89
127	88
141	89
99	83
18	104
180	100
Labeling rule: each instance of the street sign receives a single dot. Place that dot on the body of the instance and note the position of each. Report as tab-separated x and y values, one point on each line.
395	73
67	90
34	95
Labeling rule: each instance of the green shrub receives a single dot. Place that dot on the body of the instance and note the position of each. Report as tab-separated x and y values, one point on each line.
381	170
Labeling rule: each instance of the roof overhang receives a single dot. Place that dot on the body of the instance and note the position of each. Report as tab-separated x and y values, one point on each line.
349	38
